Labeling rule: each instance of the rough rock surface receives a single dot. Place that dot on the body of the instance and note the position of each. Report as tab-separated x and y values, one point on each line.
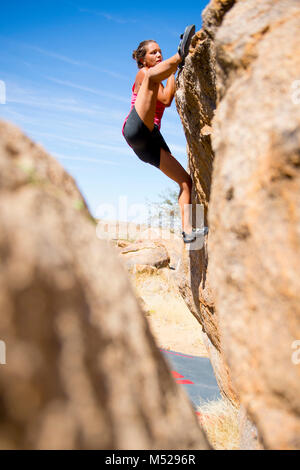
157	238
255	211
145	252
83	370
196	99
253	48
170	240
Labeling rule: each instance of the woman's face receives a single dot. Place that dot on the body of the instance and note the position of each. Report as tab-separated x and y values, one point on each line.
153	55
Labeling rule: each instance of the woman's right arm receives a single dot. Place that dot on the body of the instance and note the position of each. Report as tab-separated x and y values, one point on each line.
166	94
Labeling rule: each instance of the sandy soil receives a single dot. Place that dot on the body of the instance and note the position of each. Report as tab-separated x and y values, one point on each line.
172	324
181	338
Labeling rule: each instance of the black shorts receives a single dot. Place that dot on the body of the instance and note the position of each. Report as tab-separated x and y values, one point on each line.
146	144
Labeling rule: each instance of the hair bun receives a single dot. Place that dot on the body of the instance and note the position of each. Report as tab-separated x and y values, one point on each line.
140	52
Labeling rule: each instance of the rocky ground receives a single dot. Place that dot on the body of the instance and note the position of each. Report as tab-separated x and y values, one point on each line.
152	260
172	324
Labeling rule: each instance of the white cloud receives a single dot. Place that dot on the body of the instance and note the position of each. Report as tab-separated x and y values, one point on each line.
88	89
54	55
44	100
40	103
71	61
85	159
108	16
116	149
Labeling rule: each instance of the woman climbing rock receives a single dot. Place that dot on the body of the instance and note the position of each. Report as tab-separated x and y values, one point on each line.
141	128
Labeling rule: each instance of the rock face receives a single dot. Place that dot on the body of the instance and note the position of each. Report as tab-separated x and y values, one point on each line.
196	91
253	59
82	369
147	253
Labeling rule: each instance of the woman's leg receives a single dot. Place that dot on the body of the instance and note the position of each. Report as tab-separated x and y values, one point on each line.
145	103
172	168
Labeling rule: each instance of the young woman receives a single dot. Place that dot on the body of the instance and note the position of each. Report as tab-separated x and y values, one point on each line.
141	128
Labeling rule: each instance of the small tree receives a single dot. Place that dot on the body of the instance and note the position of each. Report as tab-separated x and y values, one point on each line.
166	211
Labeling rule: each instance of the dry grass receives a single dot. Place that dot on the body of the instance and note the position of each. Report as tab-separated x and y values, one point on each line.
172	324
221	424
175	328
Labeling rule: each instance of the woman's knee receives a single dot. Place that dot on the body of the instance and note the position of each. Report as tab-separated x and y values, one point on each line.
187	183
152	77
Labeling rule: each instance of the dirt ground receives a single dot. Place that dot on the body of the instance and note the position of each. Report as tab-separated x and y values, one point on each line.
180	338
172	324
175	328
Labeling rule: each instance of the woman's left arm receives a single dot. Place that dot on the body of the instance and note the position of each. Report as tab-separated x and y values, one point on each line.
166	94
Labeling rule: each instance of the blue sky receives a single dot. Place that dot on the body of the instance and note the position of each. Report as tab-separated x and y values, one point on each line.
68	73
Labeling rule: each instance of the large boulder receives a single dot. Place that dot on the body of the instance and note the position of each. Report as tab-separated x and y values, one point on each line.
145	252
171	240
252	50
83	370
255	211
196	99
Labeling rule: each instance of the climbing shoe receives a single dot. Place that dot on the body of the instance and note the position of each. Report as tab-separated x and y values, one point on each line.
184	45
195	233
